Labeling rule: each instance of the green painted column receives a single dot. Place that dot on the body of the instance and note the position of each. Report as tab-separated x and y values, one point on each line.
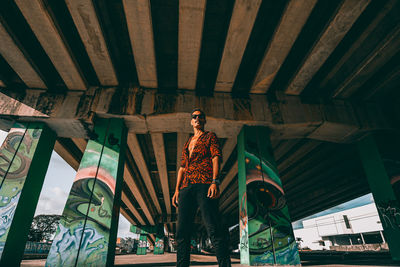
158	230
142	246
382	191
266	234
159	246
24	158
87	232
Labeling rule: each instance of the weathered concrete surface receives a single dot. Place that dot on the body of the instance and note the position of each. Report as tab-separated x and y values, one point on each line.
84	15
146	110
46	31
137	154
15	58
169	259
348	13
191	21
236	41
159	152
139	22
293	20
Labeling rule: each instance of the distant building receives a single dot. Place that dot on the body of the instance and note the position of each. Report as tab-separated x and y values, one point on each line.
356	229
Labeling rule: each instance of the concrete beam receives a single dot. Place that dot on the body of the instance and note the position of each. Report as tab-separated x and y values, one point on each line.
231	207
146	110
302	166
85	19
151	239
234	195
236	41
387	49
227	194
191	21
134	211
284	148
293	20
229	177
132	184
298	154
137	154
229	146
66	155
138	18
80	143
348	13
43	27
18	62
191	18
357	44
159	152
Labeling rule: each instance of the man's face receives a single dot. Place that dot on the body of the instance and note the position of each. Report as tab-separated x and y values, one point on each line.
198	120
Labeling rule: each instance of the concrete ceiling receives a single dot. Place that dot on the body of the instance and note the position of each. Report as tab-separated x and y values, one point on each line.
320	74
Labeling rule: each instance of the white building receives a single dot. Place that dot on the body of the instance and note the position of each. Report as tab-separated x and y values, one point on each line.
352	229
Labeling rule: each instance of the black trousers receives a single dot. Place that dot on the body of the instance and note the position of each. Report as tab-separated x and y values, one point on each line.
191	197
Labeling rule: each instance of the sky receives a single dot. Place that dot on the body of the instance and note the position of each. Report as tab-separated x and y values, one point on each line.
56	188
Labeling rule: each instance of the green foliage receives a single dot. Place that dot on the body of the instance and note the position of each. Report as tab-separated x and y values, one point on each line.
43	228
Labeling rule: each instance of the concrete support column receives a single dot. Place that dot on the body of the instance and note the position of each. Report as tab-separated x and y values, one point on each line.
383	238
87	232
362	238
382	191
24	158
159	245
266	234
142	246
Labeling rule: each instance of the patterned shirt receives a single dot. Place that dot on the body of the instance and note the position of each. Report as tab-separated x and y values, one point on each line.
199	167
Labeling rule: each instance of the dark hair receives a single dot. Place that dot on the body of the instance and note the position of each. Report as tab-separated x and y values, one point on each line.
201	112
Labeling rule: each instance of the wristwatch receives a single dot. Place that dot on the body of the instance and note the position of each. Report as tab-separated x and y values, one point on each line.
216	181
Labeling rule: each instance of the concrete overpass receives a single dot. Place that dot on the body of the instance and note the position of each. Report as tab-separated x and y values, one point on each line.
321	75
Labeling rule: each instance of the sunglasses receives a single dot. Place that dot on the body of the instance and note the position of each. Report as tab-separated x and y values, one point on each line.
201	116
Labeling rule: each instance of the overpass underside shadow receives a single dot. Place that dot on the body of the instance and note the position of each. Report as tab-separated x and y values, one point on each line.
192	263
343	258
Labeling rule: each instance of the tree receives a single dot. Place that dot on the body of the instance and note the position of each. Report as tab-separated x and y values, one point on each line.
43	227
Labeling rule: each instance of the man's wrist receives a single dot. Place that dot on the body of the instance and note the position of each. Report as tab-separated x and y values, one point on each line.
216	181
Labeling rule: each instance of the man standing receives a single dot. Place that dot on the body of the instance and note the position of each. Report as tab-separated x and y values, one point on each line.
197	186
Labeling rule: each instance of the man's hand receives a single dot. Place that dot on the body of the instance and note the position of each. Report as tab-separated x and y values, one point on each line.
175	199
213	191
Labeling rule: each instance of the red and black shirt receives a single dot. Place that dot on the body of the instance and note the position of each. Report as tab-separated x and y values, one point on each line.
198	167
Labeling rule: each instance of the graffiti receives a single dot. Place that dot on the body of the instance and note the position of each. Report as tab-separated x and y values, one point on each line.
142	243
36	248
269	226
66	242
84	231
390	214
21	161
142	246
266	234
159	246
244	243
16	156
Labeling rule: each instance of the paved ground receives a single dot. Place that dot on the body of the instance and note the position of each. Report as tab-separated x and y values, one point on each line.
168	259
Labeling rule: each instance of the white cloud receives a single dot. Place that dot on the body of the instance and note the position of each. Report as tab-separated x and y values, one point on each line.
123	228
59	193
53	204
